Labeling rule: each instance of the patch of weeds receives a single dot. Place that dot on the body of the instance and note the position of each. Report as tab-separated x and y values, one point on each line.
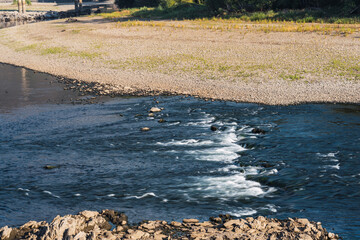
291	77
85	55
75	31
53	50
27	48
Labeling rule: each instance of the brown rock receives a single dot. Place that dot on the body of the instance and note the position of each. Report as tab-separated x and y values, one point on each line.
303	221
190	220
175	224
89	214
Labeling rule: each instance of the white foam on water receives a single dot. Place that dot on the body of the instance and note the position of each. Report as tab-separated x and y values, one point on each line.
337	166
233	186
329	155
111	195
150	194
270	172
24	189
270	207
173	123
228	168
225	150
251	170
205	121
77	194
243	212
191	142
51	194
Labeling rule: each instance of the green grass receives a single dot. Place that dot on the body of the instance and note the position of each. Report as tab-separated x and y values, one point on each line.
27	48
53	50
291	77
195	11
85	55
345	67
297	16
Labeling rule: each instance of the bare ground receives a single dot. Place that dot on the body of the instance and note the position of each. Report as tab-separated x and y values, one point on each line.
262	63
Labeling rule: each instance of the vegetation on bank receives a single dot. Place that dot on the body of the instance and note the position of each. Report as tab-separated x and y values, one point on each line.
192	11
305	11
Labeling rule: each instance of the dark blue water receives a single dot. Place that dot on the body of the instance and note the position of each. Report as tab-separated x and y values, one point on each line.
306	165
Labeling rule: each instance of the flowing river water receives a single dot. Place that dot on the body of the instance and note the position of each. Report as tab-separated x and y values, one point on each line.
307	164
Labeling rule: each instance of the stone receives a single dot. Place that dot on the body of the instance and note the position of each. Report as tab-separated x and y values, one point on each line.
331	235
80	236
151	115
49	167
175	224
89	214
213	128
216	219
155	109
116	218
138	235
189	220
206	224
229	224
159	236
145	129
303	221
258	131
161	120
7	233
149	226
305	237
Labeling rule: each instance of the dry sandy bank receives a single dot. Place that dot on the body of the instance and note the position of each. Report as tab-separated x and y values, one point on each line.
219	60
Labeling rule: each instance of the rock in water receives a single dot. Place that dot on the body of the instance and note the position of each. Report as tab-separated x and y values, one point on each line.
258	131
49	167
213	128
161	120
155	109
145	129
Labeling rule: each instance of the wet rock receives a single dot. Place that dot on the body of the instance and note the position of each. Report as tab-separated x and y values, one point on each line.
155	109
117	218
151	115
258	131
213	128
145	129
161	120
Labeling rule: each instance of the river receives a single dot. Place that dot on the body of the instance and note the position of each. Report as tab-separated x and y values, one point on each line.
307	164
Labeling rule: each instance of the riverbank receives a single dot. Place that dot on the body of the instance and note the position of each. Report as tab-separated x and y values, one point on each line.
109	224
264	63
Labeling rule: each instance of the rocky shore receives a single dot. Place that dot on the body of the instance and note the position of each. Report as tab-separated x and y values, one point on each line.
13	16
109	224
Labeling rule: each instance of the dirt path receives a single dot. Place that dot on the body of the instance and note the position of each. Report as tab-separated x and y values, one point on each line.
218	60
